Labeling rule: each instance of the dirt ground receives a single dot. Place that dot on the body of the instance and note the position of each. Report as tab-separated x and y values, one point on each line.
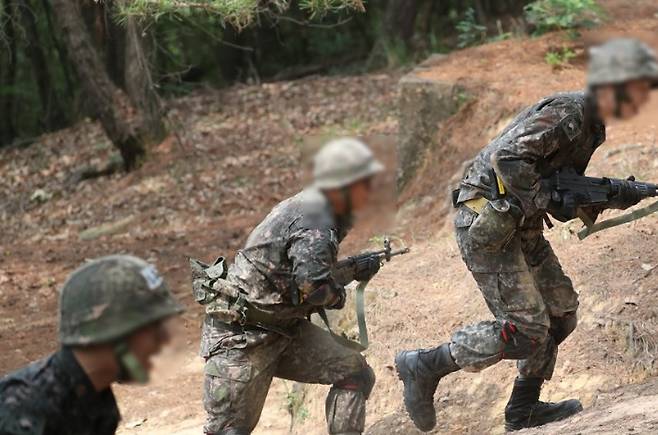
240	151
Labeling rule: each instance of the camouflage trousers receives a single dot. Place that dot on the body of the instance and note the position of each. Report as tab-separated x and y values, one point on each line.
532	300
237	379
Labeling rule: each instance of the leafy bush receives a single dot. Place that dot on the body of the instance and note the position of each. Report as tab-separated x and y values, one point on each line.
470	32
549	15
559	58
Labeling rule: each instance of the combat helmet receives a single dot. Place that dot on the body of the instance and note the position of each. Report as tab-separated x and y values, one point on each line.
342	162
621	60
111	297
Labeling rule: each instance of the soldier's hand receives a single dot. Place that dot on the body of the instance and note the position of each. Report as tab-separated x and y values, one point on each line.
562	208
627	195
366	269
341	297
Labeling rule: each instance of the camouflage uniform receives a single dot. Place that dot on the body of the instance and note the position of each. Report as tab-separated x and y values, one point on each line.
102	303
54	396
293	250
532	300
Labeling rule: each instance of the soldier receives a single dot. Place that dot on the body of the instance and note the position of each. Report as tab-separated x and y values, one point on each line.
501	208
282	276
111	323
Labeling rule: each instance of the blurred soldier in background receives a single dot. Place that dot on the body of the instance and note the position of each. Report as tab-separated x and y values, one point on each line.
257	326
112	314
501	209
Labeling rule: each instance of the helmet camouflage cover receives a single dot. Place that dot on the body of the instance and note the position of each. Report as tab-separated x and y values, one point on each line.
342	162
111	297
621	60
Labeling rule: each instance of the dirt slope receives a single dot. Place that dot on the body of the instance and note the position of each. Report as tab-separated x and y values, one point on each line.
239	153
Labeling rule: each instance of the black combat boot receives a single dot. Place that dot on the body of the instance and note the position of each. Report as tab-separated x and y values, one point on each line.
420	371
525	410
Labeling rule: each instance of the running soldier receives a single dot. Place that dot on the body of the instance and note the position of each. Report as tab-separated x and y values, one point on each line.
257	326
501	209
111	324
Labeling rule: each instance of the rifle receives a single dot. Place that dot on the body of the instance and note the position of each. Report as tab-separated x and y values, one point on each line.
575	193
585	196
344	273
346	269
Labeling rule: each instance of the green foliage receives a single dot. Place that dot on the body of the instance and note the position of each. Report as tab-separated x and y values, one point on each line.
560	57
238	13
295	405
470	32
550	15
319	8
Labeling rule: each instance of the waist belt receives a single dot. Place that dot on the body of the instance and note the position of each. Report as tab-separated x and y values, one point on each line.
476	205
247	314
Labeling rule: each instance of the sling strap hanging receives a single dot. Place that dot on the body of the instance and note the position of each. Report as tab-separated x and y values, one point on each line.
361	314
619	220
339	338
363	342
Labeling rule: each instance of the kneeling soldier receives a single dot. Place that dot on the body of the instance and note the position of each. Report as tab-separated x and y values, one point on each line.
111	323
499	222
282	276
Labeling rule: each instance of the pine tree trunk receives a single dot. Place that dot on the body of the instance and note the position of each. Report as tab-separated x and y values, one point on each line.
8	74
400	19
115	44
139	82
61	51
52	114
118	116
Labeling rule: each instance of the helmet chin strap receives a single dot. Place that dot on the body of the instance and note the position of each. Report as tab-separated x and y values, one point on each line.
130	369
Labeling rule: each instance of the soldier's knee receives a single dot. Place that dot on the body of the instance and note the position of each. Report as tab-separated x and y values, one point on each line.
362	381
562	327
521	341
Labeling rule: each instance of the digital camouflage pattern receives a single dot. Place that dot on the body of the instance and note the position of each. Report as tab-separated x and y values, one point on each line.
238	379
530	291
532	300
54	396
620	60
293	251
559	131
110	297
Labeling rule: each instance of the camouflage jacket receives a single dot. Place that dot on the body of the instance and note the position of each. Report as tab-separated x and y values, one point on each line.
292	252
54	396
560	131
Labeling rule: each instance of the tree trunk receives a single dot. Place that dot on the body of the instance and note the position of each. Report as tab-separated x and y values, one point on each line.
8	74
52	115
61	51
400	20
139	82
115	43
117	114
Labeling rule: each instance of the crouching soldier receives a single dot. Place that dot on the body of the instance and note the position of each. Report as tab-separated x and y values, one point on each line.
502	205
112	313
282	276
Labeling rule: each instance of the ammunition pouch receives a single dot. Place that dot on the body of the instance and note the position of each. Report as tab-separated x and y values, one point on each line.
225	303
495	225
210	289
204	277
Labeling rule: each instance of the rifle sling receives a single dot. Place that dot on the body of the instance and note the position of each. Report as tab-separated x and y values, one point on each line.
361	314
619	220
363	342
